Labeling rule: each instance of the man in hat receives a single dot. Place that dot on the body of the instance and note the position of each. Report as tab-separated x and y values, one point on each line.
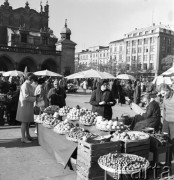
152	116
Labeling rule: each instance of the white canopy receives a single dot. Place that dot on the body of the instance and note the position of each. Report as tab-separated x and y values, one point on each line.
160	80
13	73
46	73
91	74
125	76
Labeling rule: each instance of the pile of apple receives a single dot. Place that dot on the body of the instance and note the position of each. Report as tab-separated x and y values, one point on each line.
77	133
74	114
51	109
88	118
108	125
49	121
64	110
123	162
63	127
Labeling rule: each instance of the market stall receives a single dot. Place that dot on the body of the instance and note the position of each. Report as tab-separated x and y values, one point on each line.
97	143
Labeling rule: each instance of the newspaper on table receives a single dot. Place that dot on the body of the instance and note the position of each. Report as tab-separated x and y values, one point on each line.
137	109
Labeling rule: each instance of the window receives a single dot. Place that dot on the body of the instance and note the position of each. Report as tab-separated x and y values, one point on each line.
152	40
146	41
151	66
145	58
139	58
145	49
133	50
11	20
128	66
140	42
140	33
133	43
128	43
21	21
133	58
152	48
139	66
120	57
128	51
115	49
23	37
134	34
110	49
146	32
133	66
145	66
152	57
128	58
120	48
169	41
139	50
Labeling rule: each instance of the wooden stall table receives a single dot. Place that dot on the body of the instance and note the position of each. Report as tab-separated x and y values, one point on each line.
56	145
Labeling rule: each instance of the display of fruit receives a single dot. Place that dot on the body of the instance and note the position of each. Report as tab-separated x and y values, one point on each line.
129	136
109	125
74	114
125	163
49	121
51	109
40	118
77	133
63	127
64	110
88	118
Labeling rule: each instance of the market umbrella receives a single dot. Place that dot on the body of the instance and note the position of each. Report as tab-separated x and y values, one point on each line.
90	74
13	73
1	72
125	76
46	73
162	80
169	72
109	76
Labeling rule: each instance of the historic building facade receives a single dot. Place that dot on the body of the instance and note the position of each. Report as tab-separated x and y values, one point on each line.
141	51
27	40
145	48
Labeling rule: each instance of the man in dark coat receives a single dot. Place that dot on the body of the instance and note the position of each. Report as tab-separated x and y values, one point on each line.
102	100
151	118
137	93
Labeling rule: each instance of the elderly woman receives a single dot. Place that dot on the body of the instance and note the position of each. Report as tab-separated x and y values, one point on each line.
25	107
102	100
56	95
151	118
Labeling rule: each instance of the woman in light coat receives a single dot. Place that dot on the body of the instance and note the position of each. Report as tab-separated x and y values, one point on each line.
25	107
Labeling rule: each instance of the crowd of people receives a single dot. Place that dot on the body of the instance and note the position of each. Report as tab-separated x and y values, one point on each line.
27	96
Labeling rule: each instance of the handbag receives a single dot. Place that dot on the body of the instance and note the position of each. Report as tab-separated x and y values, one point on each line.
36	110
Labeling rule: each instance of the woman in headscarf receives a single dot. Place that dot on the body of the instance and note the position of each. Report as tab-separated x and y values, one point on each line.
102	100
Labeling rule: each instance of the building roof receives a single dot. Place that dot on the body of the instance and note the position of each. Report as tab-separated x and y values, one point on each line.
116	41
162	26
65	29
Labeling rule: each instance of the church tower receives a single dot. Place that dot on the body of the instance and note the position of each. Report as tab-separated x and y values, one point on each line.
65	32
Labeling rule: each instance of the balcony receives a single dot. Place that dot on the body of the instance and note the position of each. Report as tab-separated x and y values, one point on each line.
29	50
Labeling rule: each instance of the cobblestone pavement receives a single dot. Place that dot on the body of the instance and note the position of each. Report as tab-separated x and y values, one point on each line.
30	161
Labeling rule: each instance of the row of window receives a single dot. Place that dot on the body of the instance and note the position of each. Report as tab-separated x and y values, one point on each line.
141	41
139	49
140	66
142	33
115	49
140	58
93	55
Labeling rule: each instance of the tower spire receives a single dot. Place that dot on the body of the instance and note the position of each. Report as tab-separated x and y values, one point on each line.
65	22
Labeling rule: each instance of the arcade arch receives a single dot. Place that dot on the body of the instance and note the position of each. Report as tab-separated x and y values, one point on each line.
6	64
49	64
29	63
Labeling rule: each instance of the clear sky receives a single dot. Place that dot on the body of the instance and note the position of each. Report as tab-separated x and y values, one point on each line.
98	22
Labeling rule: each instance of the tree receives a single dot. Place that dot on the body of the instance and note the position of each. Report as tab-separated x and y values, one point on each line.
167	62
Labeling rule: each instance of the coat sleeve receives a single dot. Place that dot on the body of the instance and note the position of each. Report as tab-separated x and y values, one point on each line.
50	92
112	99
93	99
26	94
149	112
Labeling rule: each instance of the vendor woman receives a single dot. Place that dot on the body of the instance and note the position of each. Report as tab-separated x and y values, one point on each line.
151	118
102	100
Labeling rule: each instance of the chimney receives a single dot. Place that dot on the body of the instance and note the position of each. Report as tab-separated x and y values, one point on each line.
153	24
135	28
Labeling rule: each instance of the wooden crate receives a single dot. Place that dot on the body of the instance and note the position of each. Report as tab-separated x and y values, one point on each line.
88	155
140	148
